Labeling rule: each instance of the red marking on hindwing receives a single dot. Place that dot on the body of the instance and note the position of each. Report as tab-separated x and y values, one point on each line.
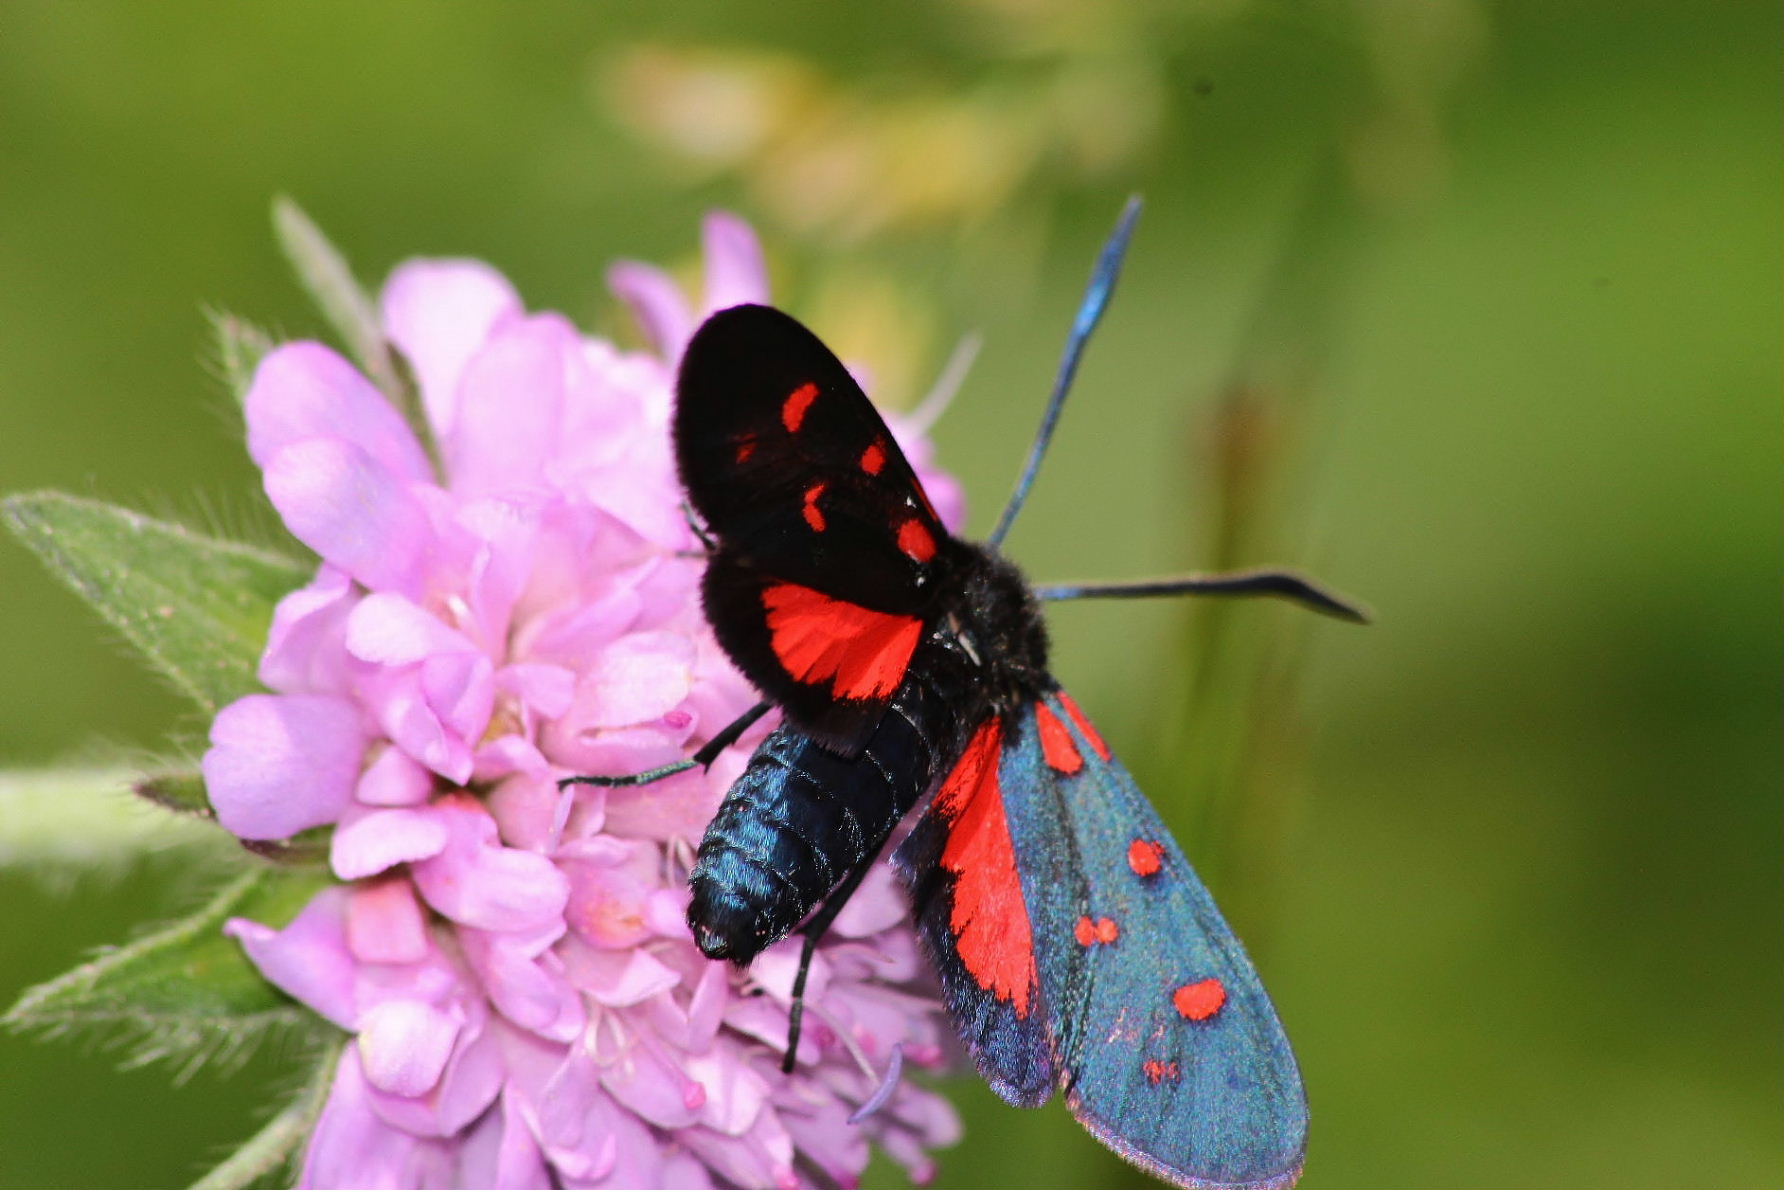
814	516
1145	857
989	920
916	541
1199	1001
794	408
1103	930
873	459
1096	741
861	652
1056	742
1157	1071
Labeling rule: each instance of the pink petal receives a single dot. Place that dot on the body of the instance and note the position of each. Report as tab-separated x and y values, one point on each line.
477	882
636	679
352	1146
438	312
620	979
511	407
470	1083
877	905
547	690
392	630
308	958
305	653
500	1153
394	779
280	764
369	841
735	1094
352	510
735	270
385	923
657	302
528	988
607	903
404	1044
303	391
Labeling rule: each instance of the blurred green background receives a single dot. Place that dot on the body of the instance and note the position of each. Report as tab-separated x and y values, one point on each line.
1473	308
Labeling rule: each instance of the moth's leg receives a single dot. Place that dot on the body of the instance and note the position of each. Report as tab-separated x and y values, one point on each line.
814	931
708	753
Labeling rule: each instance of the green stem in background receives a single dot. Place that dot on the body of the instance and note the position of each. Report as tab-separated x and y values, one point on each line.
1234	730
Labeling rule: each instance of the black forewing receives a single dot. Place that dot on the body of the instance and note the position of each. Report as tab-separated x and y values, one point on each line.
1216	1101
753	451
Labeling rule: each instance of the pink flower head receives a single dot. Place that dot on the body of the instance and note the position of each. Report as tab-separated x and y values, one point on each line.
526	1004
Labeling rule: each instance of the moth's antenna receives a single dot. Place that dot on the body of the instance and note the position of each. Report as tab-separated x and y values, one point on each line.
1102	284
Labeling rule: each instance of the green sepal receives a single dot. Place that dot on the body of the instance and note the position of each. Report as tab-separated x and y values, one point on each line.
197	607
185	992
326	276
277	1148
178	789
306	847
238	347
329	280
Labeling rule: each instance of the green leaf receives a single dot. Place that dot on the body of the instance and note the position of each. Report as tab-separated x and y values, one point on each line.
347	307
185	991
276	1147
199	608
65	821
239	348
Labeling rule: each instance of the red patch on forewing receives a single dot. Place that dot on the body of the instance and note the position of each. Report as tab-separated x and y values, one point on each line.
1103	930
990	920
793	409
1157	1071
1056	742
873	459
1096	741
861	652
814	516
746	446
1145	857
916	541
1199	1001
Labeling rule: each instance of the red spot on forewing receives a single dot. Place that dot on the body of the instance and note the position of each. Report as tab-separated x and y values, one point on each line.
989	920
861	652
1145	857
1089	933
915	539
794	408
1199	1001
814	516
746	446
1056	742
873	459
1096	741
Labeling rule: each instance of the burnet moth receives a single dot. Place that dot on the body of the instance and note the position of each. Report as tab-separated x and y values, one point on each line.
1075	947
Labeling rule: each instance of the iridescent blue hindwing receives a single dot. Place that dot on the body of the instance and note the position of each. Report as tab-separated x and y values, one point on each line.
1168	1048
